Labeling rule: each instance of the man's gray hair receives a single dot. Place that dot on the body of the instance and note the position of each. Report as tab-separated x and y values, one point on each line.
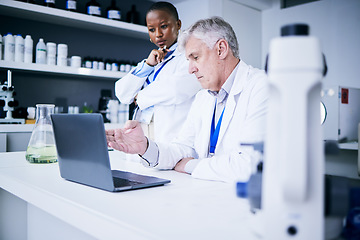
210	31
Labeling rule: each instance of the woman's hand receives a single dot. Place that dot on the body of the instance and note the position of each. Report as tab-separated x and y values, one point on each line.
156	56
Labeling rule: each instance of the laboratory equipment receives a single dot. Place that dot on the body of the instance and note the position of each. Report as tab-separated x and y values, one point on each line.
76	61
41	148
71	5
28	49
9	47
19	48
132	16
49	3
62	54
40	52
51	53
342	200
290	195
113	12
7	101
93	8
293	176
343	106
103	103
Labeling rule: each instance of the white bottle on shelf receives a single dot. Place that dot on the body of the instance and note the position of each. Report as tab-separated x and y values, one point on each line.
51	53
9	47
28	49
19	48
62	53
41	52
123	113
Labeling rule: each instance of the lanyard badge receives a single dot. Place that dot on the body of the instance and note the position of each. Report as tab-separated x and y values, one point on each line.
214	134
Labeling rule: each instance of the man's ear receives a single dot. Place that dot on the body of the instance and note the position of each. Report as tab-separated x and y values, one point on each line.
222	48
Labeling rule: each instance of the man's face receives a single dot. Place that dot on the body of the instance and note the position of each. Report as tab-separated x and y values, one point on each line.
204	63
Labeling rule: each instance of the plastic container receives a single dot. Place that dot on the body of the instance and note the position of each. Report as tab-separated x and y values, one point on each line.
114	67
76	61
101	65
49	3
51	53
88	62
28	49
132	16
62	53
123	113
41	52
93	8
9	47
19	48
71	5
113	12
41	148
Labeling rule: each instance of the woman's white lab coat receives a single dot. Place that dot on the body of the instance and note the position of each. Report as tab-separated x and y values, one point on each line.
243	122
171	94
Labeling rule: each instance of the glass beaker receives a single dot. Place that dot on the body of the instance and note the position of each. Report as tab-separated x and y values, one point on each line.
41	148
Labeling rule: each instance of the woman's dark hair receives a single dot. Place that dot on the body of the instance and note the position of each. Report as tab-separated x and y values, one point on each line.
166	6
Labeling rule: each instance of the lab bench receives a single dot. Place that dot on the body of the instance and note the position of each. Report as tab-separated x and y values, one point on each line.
36	203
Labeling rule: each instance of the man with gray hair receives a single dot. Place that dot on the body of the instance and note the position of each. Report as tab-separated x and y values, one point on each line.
229	111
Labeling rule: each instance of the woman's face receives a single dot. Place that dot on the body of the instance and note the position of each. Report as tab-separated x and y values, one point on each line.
162	27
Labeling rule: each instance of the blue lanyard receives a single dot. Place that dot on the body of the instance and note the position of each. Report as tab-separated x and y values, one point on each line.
214	135
157	72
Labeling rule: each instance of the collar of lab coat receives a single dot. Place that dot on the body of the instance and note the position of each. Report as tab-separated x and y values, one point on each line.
237	86
176	52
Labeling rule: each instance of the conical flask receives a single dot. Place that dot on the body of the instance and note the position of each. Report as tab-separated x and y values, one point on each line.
41	148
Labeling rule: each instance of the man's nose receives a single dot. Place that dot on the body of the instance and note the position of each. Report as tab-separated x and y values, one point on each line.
192	68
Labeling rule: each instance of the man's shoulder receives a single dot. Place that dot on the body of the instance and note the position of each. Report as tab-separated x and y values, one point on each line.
247	77
202	94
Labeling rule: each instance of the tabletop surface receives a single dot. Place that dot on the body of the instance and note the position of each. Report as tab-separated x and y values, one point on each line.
187	208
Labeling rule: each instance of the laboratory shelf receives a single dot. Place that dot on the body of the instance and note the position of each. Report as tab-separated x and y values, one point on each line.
59	70
349	146
72	19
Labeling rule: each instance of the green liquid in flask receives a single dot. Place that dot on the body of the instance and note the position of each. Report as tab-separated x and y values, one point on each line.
45	154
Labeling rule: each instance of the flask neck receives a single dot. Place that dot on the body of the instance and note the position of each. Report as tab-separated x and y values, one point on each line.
43	113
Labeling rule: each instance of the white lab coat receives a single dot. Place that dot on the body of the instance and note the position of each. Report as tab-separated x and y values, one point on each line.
171	94
243	122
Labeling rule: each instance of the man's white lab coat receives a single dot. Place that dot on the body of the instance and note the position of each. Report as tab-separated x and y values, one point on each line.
243	122
171	94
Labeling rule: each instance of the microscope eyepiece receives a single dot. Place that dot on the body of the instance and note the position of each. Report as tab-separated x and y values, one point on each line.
297	29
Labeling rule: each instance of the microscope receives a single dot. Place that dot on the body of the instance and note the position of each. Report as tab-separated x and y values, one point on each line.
7	101
290	196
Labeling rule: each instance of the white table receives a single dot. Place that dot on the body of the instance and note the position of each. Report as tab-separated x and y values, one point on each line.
36	203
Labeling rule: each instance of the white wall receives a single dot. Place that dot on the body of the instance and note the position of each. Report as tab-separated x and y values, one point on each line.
192	10
337	25
245	21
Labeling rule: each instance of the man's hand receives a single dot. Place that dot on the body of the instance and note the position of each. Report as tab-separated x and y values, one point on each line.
180	166
130	139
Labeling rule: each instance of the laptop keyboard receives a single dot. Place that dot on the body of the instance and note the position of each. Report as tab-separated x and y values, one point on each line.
120	182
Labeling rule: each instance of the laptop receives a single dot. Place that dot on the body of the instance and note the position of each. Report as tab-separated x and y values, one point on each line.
83	155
